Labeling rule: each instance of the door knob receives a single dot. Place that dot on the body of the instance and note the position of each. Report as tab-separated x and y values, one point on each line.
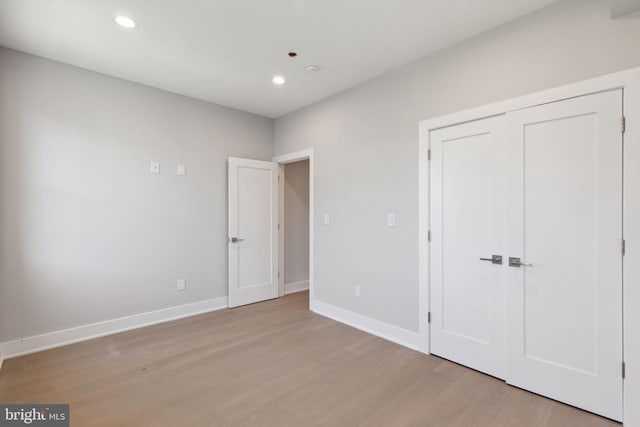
236	240
515	262
495	259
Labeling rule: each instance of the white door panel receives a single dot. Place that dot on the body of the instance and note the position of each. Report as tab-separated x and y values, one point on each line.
253	220
468	196
564	312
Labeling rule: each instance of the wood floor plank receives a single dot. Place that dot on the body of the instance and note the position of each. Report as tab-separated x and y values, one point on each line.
269	364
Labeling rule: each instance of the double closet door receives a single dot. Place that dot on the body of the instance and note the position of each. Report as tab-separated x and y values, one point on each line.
526	259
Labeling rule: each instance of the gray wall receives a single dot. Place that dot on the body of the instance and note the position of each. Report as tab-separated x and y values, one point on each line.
296	228
366	142
86	232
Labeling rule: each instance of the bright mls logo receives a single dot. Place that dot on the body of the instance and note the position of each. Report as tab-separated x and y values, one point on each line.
34	415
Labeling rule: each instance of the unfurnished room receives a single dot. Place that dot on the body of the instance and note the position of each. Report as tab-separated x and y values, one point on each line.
320	213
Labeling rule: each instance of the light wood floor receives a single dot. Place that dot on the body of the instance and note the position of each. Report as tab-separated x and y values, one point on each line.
269	364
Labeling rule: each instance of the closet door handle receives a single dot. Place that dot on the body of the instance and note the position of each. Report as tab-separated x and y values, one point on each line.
515	262
236	240
495	259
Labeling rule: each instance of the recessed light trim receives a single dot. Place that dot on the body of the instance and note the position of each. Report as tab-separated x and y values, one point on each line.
278	80
125	22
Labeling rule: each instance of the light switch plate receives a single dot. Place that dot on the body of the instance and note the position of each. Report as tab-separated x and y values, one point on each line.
391	220
182	169
327	219
154	168
182	284
356	291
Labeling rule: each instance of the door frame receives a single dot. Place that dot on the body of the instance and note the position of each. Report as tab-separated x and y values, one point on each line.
629	81
283	160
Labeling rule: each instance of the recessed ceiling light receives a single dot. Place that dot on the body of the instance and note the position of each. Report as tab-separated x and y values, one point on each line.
279	80
125	21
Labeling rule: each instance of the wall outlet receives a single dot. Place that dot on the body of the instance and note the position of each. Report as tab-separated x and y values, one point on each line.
356	291
182	284
154	168
182	169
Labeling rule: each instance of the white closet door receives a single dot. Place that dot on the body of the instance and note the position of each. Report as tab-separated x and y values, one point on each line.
564	311
467	224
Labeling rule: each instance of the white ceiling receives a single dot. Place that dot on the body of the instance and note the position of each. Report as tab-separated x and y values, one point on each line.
226	51
625	8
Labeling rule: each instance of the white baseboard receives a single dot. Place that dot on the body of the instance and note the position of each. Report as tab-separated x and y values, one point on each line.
49	340
389	332
290	288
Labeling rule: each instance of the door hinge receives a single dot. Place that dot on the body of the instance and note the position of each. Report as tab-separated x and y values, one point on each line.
624	247
278	274
429	317
624	124
278	226
429	154
624	370
429	236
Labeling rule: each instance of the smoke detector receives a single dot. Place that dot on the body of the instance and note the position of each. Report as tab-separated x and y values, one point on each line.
312	68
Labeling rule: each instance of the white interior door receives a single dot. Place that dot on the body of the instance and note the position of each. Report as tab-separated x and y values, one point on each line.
253	231
467	229
564	311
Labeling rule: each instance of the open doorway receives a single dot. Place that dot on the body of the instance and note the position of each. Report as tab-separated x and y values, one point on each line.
296	223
